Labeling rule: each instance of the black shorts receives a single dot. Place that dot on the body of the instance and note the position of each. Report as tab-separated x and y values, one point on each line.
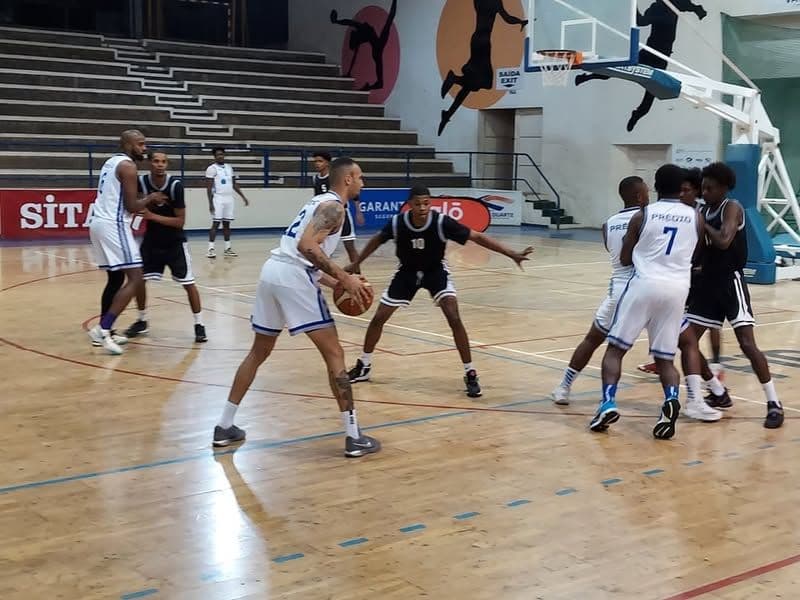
348	230
713	301
175	256
405	283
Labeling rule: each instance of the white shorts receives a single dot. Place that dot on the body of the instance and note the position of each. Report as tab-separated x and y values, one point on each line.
604	317
223	208
657	306
114	246
288	296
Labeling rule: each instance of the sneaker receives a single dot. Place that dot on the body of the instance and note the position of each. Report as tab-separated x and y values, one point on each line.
649	368
606	415
721	402
137	329
104	340
665	428
359	373
226	437
212	253
701	411
119	340
560	396
353	448
230	252
471	381
774	416
199	334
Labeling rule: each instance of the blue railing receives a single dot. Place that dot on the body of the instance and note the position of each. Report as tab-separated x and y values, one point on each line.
267	154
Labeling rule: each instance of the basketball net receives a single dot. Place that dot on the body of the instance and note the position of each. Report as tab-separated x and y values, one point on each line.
556	64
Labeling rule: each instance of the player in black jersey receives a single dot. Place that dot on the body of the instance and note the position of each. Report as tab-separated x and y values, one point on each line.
421	236
722	291
322	163
164	244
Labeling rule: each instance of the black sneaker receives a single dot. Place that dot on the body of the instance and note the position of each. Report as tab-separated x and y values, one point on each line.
665	428
473	387
226	437
353	448
359	373
722	402
137	329
200	333
774	416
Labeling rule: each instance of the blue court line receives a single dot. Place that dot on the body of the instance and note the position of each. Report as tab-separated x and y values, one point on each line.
466	515
612	481
652	472
516	503
410	528
693	463
252	447
353	542
566	492
141	594
288	557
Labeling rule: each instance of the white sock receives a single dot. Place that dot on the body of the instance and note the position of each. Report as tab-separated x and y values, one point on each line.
351	424
366	359
716	368
570	375
198	318
143	315
210	245
468	367
694	386
227	245
769	390
228	413
715	385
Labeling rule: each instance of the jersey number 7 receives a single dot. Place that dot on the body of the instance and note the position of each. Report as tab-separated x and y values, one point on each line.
672	231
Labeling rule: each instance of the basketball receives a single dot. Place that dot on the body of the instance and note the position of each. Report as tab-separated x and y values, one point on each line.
347	305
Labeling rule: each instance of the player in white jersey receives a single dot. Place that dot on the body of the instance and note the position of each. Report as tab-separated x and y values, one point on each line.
220	185
661	241
289	296
115	248
634	193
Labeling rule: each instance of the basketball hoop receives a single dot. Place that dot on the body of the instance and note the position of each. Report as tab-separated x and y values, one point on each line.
556	64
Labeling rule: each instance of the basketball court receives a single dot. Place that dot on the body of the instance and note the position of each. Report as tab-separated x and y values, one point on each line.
118	492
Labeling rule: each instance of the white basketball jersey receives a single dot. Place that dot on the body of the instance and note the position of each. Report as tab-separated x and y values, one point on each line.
667	242
288	251
109	203
616	228
223	179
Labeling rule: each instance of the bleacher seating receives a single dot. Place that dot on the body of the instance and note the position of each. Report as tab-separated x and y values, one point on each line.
63	91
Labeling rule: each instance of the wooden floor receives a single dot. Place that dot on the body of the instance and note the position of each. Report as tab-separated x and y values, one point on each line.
109	487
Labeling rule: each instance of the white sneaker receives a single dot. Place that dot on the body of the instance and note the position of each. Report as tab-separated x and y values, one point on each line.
104	340
560	396
212	253
119	340
701	411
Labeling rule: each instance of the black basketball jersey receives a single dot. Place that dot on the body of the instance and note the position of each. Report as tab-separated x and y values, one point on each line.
718	262
321	184
156	233
422	249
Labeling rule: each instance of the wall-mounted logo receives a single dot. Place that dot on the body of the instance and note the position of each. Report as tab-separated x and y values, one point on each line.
471	212
371	50
470	41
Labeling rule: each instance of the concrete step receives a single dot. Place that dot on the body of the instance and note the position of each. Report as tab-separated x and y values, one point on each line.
276	93
233	52
263	79
51	36
152	74
26	78
62	65
49	50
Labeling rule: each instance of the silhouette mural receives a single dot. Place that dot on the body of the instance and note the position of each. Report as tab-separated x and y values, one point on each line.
375	68
663	25
468	69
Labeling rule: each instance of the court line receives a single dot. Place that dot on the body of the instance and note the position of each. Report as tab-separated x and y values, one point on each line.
734	579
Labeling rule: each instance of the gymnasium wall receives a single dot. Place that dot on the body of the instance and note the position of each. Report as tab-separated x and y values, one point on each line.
578	135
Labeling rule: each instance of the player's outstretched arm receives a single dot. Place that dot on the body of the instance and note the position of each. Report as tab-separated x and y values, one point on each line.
631	238
328	218
732	218
495	246
375	242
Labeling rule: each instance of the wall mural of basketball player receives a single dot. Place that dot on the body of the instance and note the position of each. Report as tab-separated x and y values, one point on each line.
663	32
478	72
364	33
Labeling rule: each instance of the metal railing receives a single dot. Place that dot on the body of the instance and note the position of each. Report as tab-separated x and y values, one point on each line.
267	154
